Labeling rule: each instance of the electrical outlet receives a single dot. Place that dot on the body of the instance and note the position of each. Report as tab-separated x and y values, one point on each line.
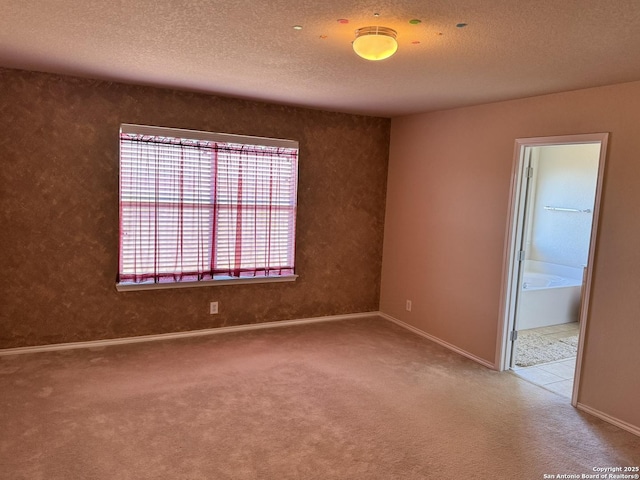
213	308
408	307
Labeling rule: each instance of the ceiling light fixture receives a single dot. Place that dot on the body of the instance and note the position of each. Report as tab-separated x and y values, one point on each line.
375	43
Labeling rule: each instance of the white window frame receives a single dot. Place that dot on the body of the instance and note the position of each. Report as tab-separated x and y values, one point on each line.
213	137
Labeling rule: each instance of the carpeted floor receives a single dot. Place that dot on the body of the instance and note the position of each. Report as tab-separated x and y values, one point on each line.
534	348
357	399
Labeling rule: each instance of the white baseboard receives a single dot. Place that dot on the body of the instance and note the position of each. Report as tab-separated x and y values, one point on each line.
285	323
447	345
174	335
609	419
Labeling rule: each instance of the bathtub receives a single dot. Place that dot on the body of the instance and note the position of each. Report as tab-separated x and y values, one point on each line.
550	295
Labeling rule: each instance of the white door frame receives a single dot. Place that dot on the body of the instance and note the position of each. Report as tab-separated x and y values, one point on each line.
513	234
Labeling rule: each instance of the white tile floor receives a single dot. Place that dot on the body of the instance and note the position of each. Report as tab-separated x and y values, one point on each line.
555	376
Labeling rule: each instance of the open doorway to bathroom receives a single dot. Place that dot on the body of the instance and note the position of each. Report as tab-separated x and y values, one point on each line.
555	205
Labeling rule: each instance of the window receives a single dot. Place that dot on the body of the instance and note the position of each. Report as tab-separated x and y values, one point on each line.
197	207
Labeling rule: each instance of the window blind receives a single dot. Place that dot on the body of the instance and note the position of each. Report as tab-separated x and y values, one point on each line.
194	209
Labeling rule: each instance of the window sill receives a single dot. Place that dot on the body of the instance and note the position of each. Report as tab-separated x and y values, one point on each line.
126	287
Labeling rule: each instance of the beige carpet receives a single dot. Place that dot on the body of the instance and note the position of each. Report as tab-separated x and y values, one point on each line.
358	399
534	348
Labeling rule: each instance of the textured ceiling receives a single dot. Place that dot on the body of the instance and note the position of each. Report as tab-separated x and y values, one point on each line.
510	49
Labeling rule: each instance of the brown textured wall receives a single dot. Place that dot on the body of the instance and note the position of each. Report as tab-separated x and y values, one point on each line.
59	197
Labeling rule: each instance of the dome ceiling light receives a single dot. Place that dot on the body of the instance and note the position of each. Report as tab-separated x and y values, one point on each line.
375	43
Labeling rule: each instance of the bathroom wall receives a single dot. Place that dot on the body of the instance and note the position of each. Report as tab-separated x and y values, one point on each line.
566	177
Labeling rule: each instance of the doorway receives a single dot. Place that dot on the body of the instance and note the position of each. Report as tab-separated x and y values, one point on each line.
551	239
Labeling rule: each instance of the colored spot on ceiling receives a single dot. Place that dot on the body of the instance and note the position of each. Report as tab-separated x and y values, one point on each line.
415	21
343	21
322	37
461	25
297	27
439	34
415	42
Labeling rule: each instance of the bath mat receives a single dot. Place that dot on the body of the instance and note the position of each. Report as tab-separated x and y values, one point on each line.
534	348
